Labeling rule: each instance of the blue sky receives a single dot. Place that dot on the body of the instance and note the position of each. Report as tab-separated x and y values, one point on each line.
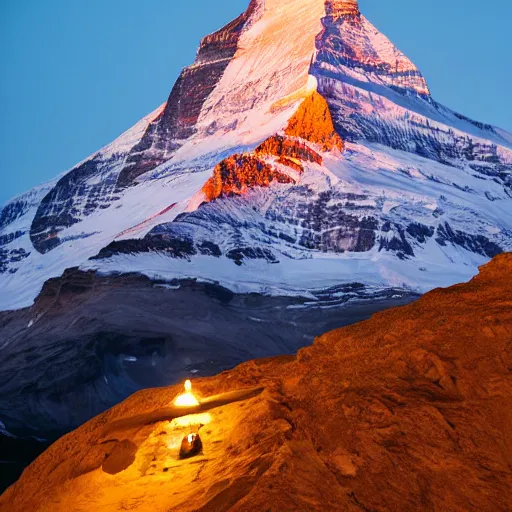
76	74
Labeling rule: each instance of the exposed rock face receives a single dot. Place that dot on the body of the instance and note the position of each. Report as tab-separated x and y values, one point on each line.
15	225
173	247
350	41
407	411
393	238
367	80
478	244
329	227
237	173
178	120
338	8
288	148
313	122
10	237
11	212
300	218
69	201
8	257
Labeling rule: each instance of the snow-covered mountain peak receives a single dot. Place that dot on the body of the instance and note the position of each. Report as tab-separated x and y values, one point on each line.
300	137
351	44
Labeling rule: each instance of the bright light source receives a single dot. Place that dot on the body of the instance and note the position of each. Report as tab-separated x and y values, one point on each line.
192	420
186	399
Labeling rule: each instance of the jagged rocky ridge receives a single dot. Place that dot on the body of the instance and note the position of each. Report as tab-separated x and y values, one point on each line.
178	120
302	137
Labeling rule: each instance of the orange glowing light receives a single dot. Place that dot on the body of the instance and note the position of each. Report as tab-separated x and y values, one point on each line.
186	399
191	420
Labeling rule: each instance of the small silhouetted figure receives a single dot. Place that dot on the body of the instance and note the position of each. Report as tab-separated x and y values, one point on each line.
190	446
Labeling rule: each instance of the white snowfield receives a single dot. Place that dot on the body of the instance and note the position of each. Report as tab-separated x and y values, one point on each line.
273	70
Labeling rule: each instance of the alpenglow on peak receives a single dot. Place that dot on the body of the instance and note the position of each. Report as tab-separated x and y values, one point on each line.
338	8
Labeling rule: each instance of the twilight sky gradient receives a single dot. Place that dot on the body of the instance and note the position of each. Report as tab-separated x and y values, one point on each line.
76	74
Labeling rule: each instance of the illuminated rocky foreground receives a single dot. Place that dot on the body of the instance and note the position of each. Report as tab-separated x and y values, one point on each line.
409	410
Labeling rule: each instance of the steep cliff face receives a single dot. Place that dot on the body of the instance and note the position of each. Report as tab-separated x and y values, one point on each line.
313	122
238	173
350	43
338	8
406	411
375	93
286	147
178	120
15	221
88	188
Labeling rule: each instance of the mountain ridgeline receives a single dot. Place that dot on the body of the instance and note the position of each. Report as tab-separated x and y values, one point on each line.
311	139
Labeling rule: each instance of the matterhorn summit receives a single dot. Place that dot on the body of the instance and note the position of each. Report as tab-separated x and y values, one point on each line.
301	152
338	8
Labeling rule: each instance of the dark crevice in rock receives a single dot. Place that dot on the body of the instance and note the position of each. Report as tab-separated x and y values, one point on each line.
478	244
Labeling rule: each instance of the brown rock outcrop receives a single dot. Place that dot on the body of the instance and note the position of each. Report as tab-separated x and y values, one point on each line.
238	173
293	163
291	148
313	122
339	8
407	411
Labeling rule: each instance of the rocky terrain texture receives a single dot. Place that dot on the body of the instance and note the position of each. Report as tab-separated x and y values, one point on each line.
407	411
178	120
237	173
90	341
312	123
339	8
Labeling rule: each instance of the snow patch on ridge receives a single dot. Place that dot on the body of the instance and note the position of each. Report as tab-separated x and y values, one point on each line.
301	277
